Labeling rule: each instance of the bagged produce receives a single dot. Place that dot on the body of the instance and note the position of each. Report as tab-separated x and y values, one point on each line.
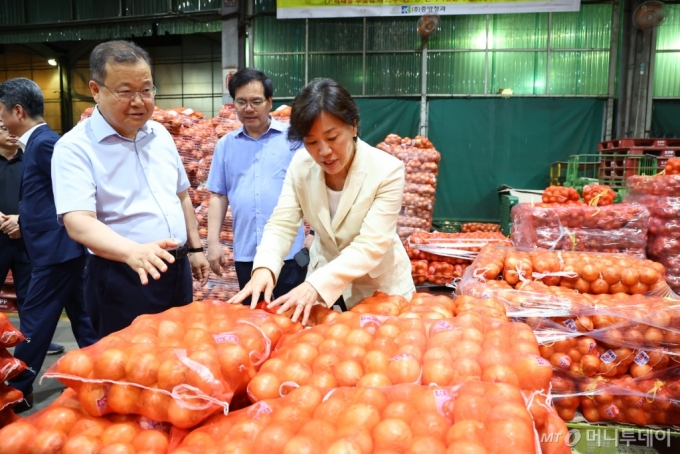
616	228
642	401
10	366
598	195
586	272
440	258
672	167
7	416
179	366
660	194
427	306
561	195
470	227
9	335
63	427
422	166
9	396
473	417
372	350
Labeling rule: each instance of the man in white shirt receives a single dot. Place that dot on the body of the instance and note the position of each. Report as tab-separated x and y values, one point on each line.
121	190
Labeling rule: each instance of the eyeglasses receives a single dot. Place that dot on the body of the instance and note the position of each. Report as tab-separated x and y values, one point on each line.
254	103
129	95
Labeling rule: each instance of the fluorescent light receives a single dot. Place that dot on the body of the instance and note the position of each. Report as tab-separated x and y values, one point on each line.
52	62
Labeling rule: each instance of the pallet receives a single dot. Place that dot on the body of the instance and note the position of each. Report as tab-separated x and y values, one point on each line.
638	143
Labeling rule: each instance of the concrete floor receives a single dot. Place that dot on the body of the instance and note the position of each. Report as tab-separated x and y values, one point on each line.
46	392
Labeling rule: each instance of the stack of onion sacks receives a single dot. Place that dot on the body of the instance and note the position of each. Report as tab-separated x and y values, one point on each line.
63	427
370	350
179	366
473	418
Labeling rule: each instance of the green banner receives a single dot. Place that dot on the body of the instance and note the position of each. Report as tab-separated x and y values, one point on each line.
489	142
292	9
383	116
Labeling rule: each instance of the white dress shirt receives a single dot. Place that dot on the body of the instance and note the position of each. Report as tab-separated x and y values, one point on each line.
25	137
131	185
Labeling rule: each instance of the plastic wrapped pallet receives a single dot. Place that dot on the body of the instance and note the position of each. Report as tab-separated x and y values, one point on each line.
660	194
613	228
422	167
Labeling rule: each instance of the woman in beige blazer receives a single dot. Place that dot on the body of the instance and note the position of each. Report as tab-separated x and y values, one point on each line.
351	194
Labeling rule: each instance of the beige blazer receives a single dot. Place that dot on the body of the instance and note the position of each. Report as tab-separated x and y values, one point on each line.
357	253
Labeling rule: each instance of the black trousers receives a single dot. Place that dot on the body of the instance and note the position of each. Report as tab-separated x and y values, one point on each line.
114	295
291	276
53	288
13	257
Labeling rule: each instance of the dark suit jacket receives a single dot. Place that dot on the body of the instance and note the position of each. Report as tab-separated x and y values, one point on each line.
47	242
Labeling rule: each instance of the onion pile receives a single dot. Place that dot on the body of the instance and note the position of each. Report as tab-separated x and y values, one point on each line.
615	228
473	418
660	194
422	166
372	351
177	366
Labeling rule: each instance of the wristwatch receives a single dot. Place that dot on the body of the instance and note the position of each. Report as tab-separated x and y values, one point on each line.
195	249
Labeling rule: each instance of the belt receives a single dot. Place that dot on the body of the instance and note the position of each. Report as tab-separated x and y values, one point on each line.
180	252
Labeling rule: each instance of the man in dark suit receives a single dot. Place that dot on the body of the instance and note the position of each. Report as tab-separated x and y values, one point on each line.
12	250
58	261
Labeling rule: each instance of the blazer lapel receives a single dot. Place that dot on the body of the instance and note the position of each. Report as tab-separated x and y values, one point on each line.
319	197
355	178
26	158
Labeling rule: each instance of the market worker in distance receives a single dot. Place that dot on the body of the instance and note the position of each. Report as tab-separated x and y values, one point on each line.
121	190
56	281
247	172
350	193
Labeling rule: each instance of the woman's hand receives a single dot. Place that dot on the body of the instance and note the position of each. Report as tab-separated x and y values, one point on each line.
262	281
301	297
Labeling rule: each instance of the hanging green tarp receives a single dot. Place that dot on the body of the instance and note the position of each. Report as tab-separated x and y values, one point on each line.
488	142
666	119
383	116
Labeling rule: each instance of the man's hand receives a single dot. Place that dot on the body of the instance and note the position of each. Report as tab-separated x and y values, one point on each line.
262	281
199	267
15	235
148	258
9	223
216	259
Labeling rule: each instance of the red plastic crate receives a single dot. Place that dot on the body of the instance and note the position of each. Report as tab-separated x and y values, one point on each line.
8	303
9	279
637	143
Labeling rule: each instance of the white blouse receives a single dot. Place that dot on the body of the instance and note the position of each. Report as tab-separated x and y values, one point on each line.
333	200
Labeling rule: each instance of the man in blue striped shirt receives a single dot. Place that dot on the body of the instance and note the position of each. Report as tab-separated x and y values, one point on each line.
247	172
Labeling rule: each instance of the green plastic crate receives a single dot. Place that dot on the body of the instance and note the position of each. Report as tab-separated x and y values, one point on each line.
447	226
507	202
609	170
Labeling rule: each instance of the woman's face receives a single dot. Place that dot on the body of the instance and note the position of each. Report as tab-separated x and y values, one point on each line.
330	142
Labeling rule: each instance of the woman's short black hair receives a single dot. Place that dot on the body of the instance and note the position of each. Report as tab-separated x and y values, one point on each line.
247	75
320	95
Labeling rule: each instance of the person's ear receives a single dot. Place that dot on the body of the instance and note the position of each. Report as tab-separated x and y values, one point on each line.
96	91
18	111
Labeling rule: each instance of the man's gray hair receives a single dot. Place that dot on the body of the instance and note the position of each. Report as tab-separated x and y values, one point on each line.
25	93
118	52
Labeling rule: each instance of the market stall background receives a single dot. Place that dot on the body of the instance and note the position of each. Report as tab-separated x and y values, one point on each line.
568	60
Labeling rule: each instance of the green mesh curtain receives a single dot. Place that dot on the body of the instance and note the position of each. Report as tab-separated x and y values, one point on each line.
667	64
489	142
